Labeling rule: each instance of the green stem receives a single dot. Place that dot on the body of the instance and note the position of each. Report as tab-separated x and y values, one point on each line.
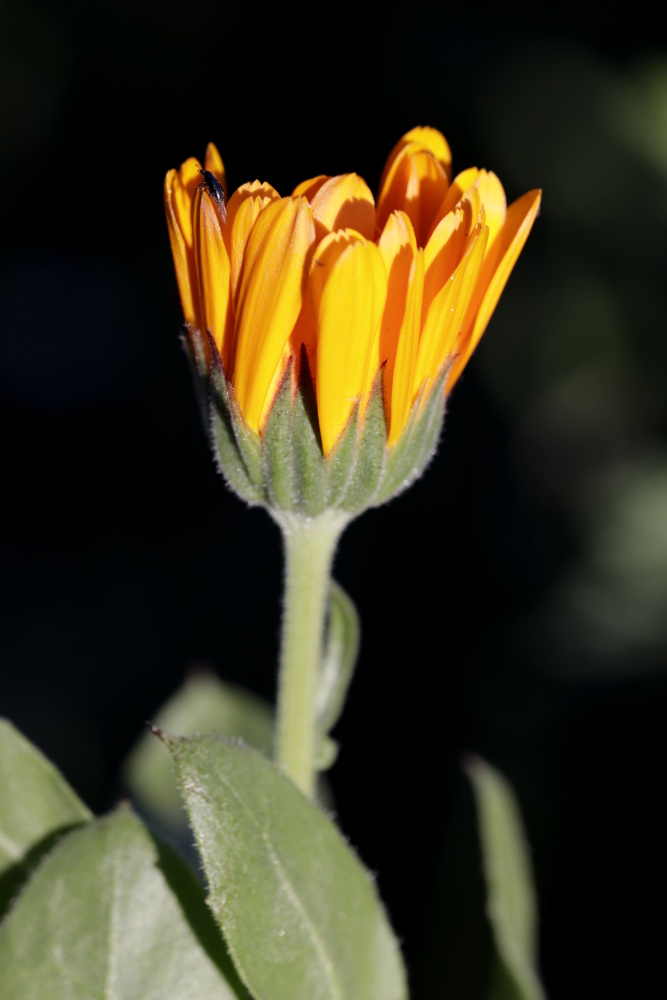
310	544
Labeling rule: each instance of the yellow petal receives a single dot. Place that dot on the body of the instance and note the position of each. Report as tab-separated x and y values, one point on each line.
184	264
407	346
273	280
448	309
496	269
428	138
348	286
212	265
213	162
416	182
243	210
345	202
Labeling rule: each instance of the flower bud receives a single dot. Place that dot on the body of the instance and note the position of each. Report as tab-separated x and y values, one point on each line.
326	334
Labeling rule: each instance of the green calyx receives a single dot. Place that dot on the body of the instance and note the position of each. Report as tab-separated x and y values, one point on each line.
285	470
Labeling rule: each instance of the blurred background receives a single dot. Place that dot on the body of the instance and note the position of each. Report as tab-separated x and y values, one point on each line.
514	603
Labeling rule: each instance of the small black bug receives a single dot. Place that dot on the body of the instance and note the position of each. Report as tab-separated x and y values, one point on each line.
215	190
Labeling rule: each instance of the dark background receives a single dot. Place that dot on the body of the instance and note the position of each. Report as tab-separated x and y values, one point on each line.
514	603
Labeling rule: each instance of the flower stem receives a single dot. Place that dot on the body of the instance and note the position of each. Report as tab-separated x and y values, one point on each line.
310	544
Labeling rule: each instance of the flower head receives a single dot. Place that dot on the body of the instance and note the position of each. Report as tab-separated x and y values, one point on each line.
400	289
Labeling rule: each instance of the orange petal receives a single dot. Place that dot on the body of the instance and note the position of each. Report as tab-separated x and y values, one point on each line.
495	271
308	189
416	182
398	249
243	210
461	183
212	265
348	285
407	346
448	309
305	334
273	280
428	138
447	246
184	264
491	193
345	202
185	182
213	162
492	196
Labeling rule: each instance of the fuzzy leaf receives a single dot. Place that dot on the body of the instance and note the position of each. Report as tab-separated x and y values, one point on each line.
37	806
204	704
300	914
110	913
339	659
511	902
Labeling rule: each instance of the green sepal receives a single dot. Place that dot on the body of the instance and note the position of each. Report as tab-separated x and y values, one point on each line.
307	458
411	454
237	456
371	452
276	450
293	463
285	470
193	346
245	442
340	461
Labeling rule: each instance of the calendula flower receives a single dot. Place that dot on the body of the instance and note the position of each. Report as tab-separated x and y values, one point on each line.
381	301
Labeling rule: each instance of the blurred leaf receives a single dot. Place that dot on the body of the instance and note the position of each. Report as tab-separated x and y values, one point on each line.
300	913
639	116
511	903
111	913
338	662
36	807
607	615
202	705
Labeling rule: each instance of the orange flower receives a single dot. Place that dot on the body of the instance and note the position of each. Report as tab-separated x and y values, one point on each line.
407	286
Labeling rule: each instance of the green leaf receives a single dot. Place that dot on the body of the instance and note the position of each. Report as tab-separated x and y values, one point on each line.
511	906
202	705
110	913
37	806
299	912
338	662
